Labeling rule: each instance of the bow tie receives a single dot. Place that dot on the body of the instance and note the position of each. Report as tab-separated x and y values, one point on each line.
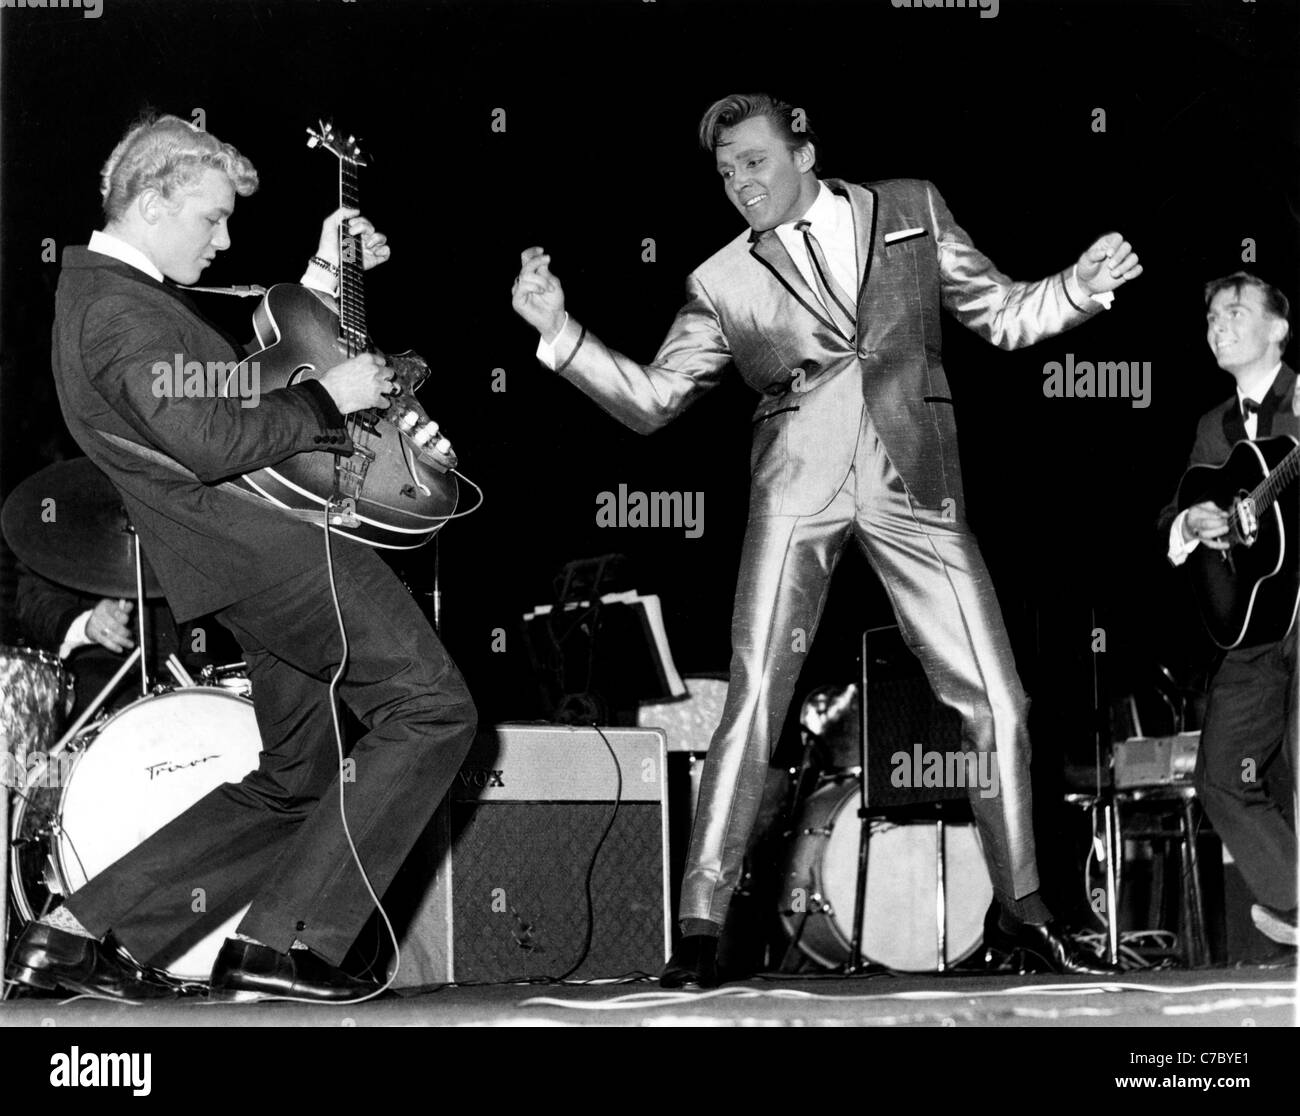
1249	407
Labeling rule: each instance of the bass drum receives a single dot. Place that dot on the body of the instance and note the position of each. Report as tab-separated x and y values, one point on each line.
121	781
901	920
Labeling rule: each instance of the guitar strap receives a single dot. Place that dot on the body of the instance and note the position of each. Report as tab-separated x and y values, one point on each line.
150	454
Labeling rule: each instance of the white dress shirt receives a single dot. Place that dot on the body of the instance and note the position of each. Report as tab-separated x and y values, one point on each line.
830	218
108	245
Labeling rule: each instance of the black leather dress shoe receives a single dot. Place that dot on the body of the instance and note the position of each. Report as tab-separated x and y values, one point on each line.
48	958
245	972
1038	948
694	961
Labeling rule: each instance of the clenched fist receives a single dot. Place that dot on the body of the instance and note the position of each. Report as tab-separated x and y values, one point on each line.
537	295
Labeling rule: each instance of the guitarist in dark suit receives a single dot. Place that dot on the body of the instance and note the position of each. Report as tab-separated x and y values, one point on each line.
1251	714
275	840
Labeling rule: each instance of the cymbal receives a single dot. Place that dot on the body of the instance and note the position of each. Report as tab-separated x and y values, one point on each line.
68	524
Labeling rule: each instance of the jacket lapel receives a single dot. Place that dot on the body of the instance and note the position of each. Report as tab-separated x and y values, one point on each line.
862	200
1234	426
766	247
1278	398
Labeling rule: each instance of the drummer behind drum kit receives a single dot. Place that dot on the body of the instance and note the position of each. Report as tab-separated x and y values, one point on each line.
85	798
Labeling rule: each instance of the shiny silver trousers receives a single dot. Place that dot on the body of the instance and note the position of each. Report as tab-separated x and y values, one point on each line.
948	613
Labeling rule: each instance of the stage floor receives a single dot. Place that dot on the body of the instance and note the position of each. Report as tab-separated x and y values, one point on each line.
1205	997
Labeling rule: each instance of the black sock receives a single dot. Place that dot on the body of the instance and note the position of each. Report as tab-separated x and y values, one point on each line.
1028	909
701	926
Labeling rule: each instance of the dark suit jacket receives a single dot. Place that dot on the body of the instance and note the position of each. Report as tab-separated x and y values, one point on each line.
1222	427
749	304
208	546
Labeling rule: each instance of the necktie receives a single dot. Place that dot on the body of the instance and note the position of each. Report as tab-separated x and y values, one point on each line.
1263	421
838	304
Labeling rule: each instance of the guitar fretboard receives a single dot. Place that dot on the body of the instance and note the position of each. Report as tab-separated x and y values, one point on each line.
1266	491
352	301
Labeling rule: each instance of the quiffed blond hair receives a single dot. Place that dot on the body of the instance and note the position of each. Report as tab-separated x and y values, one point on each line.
166	153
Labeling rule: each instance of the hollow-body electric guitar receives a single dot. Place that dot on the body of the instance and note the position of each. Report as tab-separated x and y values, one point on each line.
1248	593
399	485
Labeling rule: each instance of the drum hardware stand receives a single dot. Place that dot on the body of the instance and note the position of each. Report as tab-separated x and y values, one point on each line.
90	709
799	775
140	608
854	964
6	794
1110	812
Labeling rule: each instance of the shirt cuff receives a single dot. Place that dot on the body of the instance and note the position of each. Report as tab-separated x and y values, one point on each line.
1179	547
319	279
546	349
76	635
1074	289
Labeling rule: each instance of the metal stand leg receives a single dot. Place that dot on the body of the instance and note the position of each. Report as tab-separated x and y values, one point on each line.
860	894
1198	952
139	615
941	895
1114	850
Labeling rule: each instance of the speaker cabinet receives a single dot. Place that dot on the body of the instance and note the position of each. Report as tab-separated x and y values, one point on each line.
500	876
911	737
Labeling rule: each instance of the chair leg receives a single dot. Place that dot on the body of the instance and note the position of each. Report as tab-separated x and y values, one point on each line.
1199	951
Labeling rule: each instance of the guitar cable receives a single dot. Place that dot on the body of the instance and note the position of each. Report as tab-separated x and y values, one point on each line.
338	743
343	816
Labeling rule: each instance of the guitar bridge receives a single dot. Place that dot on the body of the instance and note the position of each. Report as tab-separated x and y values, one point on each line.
343	513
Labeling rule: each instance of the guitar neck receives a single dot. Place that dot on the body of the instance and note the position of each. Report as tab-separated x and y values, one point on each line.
1266	491
352	294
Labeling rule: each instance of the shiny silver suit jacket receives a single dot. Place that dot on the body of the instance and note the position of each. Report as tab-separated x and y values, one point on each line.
748	304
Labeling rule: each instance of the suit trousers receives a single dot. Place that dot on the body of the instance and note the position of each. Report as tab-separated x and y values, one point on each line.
946	608
1250	718
275	839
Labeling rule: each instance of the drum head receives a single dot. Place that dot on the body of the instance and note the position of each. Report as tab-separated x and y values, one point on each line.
901	929
144	767
900	925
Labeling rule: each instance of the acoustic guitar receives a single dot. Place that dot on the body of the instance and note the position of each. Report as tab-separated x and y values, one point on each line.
1248	593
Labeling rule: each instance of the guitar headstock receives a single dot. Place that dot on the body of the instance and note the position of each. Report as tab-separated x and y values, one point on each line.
347	149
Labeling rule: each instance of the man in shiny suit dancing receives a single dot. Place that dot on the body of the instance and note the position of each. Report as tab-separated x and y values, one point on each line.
828	305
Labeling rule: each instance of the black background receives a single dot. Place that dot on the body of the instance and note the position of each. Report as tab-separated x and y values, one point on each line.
599	152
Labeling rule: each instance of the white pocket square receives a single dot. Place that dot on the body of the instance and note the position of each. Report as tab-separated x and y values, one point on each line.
903	234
